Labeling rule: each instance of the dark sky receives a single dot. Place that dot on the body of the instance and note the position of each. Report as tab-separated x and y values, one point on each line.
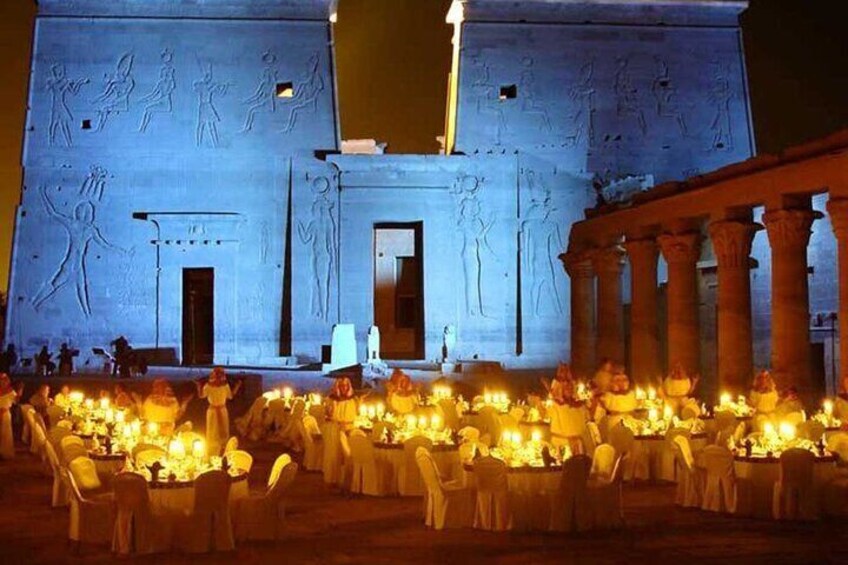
393	58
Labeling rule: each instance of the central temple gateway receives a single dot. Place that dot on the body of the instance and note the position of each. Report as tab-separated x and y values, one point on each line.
184	184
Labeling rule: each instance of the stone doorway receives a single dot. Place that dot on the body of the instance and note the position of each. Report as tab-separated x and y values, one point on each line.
399	289
198	316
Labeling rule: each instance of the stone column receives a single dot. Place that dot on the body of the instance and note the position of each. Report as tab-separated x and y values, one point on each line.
644	338
789	233
578	265
837	208
608	263
732	245
681	252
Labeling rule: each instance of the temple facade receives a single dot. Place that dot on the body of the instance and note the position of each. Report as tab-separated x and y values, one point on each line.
184	184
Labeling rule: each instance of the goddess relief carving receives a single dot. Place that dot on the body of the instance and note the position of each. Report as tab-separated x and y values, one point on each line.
59	86
320	235
264	98
627	96
306	93
527	92
160	99
582	95
117	88
542	243
475	244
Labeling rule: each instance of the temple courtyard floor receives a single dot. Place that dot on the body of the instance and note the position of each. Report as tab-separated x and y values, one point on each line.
328	527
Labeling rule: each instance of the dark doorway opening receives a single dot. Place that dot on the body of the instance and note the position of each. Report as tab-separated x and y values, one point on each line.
198	316
399	289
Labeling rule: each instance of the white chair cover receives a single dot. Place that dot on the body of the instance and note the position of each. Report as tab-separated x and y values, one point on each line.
450	416
55	435
261	517
592	438
231	445
490	424
137	528
795	497
39	439
604	489
637	465
250	425
91	519
240	460
603	462
492	508
333	460
26	430
84	472
720	482
409	478
207	527
517	413
313	444
667	461
570	509
55	414
689	479
370	476
447	504
60	491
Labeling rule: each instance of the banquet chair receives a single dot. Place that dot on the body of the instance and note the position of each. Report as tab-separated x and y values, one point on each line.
207	527
795	418
667	457
276	415
689	479
720	482
60	492
636	465
26	429
447	504
55	435
231	445
490	424
289	433
603	490
260	517
689	412
138	529
185	427
84	472
92	520
409	477
491	511
603	461
794	492
811	430
67	424
40	441
591	438
140	447
189	437
250	424
147	457
570	504
723	421
450	415
369	475
313	446
72	449
333	459
240	460
837	443
317	411
55	414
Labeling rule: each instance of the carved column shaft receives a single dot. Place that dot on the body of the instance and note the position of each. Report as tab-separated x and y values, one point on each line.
789	233
607	263
681	252
732	244
644	327
838	210
579	268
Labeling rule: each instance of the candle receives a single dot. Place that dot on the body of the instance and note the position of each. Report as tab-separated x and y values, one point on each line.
667	413
363	411
516	438
120	416
536	436
198	449
76	397
652	393
176	449
127	432
640	394
724	399
136	428
109	415
487	397
652	415
153	429
435	422
287	393
422	422
104	403
827	406
410	421
89	403
380	409
787	431
505	436
768	429
372	412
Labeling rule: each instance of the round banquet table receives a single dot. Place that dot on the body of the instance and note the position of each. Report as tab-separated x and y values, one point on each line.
652	461
107	464
446	457
178	496
530	493
756	477
527	429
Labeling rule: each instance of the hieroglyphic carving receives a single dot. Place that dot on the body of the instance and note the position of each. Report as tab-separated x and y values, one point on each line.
627	96
81	232
264	243
320	234
160	99
582	95
527	92
665	94
264	98
207	115
306	92
474	228
486	96
59	86
720	96
542	243
117	88
94	184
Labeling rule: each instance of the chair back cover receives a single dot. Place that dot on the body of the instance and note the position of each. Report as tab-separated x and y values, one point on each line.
724	419
621	438
361	448
277	468
284	479
490	474
449	413
55	435
517	413
210	519
85	473
71	451
796	467
231	445
71	439
603	461
683	450
410	482
133	520
492	511
55	414
298	406
277	413
812	430
240	460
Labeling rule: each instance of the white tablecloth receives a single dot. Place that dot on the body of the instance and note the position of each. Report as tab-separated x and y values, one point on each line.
446	457
173	498
530	494
755	481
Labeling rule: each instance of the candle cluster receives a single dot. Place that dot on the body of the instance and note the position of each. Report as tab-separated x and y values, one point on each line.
773	441
647	399
739	407
499	400
826	416
516	451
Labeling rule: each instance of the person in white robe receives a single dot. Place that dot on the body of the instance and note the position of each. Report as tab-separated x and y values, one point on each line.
568	417
763	398
603	377
217	392
63	397
402	396
162	407
343	403
677	390
9	395
620	402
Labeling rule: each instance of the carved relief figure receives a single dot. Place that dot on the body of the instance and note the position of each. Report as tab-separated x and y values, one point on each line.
117	88
306	93
264	243
81	233
721	94
665	94
160	99
527	91
60	86
320	235
627	96
475	244
582	95
207	115
486	96
94	184
542	242
264	98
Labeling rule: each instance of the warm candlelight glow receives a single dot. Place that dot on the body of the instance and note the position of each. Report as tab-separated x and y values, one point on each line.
536	436
668	413
652	393
724	399
76	397
516	437
768	429
436	422
153	429
109	415
288	393
104	403
381	410
363	411
176	449
89	403
422	421
652	415
787	431
827	406
198	449
640	393
119	416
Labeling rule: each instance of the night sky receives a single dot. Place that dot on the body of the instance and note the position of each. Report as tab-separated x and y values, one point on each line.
393	58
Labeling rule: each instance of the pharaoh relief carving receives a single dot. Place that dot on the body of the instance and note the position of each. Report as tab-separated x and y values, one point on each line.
117	87
160	99
306	93
541	244
665	95
475	251
486	96
720	95
82	232
628	106
207	89
582	95
527	91
320	235
264	98
61	118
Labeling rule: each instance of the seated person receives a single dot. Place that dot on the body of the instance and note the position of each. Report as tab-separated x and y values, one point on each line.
790	404
123	400
63	397
568	417
343	403
763	397
402	397
603	376
620	402
41	400
677	390
161	406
